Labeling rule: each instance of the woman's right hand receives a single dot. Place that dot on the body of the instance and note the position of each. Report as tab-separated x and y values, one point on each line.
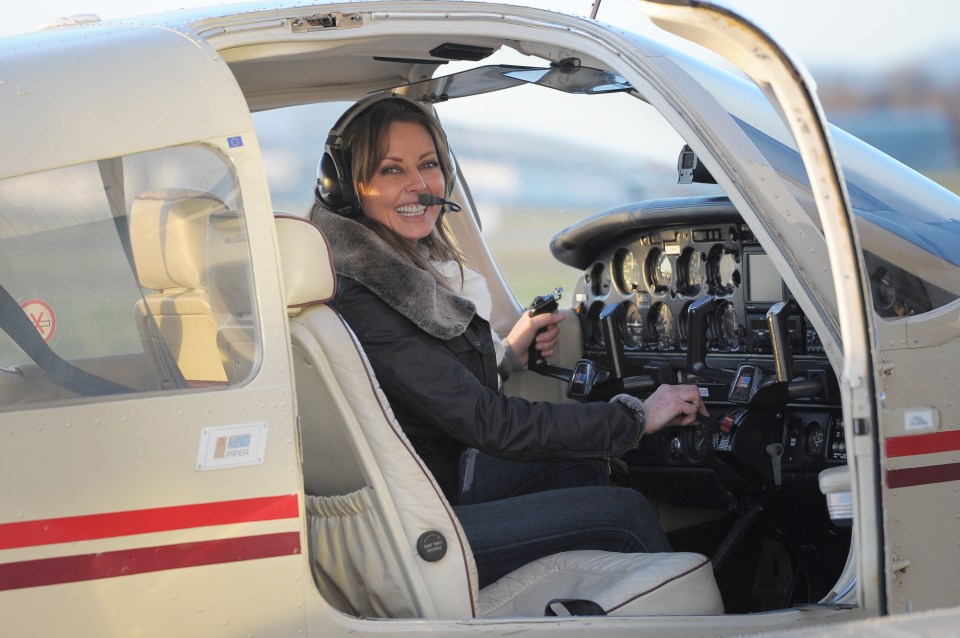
673	405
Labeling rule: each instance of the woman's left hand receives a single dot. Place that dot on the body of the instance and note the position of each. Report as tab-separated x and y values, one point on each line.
526	332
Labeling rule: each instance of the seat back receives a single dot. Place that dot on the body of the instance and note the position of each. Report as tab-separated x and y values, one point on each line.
168	234
376	544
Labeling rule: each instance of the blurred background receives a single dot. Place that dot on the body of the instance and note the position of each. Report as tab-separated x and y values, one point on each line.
887	72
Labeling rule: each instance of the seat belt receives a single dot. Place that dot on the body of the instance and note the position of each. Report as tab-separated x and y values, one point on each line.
14	321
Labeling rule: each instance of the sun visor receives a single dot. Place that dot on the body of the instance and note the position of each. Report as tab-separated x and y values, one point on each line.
568	77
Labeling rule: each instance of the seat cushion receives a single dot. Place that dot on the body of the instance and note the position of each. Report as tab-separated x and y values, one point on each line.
673	584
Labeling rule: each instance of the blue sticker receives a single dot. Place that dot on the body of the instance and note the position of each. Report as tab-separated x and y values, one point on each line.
234	142
239	440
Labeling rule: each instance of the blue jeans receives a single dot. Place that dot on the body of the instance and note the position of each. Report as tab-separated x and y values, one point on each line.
488	478
508	533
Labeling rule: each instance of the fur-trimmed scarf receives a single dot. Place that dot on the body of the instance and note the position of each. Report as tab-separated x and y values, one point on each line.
360	254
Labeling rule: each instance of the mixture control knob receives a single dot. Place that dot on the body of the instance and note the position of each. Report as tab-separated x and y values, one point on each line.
775	452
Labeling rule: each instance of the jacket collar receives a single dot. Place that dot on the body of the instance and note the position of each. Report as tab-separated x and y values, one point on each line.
358	253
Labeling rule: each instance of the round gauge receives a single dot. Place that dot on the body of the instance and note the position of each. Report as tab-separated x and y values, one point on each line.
690	272
626	270
723	273
682	325
726	328
632	327
659	271
699	443
884	289
599	280
660	326
814	438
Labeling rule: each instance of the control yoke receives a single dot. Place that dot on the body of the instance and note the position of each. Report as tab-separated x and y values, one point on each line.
588	381
749	384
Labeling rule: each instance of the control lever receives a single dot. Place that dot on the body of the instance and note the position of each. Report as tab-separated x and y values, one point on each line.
710	423
587	375
777	318
540	305
775	452
697	319
610	320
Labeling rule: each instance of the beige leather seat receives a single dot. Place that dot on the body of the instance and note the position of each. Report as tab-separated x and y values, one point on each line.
168	233
379	523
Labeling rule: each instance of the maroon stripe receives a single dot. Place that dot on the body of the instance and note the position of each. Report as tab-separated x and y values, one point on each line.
923	475
72	569
948	441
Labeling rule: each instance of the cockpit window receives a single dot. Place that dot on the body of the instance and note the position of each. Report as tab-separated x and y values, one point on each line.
125	275
907	224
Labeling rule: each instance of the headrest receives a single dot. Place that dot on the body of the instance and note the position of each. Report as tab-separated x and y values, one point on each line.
308	275
168	235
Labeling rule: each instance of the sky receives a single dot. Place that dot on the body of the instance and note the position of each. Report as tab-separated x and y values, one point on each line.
867	35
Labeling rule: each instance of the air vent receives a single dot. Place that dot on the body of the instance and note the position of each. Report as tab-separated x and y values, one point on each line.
454	51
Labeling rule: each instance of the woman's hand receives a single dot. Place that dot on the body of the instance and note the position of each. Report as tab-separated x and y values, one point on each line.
525	332
673	405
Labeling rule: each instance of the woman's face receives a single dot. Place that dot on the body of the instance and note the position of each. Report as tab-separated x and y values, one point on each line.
409	167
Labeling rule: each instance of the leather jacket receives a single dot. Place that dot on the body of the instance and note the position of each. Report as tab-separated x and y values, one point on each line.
445	395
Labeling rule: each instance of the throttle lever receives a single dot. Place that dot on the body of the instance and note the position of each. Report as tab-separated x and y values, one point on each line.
711	424
540	305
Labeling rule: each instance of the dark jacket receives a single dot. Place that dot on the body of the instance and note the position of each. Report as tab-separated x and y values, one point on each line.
444	390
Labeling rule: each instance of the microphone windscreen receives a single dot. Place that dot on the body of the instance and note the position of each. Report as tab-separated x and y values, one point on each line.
426	199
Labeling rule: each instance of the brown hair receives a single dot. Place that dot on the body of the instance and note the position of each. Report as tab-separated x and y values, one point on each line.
364	142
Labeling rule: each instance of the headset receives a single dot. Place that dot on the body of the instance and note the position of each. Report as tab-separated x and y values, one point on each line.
335	186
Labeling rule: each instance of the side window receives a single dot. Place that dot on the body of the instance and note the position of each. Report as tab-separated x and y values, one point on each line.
125	275
291	142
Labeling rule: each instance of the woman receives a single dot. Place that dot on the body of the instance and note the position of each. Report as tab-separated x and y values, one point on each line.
422	317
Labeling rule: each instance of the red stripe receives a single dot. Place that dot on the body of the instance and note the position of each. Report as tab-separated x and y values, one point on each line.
72	569
923	444
923	475
160	519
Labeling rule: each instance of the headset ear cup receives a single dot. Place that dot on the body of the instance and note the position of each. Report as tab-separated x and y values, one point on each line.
334	184
328	183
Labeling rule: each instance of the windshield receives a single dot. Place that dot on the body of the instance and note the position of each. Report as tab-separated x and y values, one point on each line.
897	210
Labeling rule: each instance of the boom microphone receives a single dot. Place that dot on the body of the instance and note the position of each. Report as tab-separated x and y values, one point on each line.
426	199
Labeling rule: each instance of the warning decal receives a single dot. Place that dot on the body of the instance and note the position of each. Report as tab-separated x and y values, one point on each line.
41	315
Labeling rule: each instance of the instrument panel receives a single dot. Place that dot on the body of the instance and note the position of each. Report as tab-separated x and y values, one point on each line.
659	274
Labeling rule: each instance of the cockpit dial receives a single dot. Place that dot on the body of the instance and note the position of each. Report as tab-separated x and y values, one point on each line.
690	272
626	270
632	327
599	280
660	326
726	328
723	272
659	271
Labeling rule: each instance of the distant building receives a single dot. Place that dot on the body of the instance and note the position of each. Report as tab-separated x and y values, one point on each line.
922	138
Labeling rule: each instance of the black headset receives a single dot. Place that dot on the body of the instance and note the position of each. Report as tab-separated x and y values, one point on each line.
334	173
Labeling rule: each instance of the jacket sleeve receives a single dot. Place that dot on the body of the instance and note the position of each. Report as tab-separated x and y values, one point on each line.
429	388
